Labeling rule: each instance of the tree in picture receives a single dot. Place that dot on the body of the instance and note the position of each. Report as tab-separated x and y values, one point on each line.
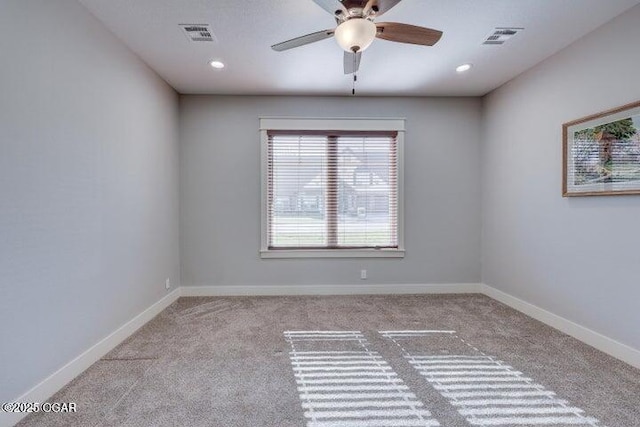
607	153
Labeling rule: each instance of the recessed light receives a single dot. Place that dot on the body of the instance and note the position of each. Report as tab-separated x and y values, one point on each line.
217	64
463	68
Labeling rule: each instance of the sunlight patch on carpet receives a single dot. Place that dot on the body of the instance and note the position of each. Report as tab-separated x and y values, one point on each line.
486	391
341	382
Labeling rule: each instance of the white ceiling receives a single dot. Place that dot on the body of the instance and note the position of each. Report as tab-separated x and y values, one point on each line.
245	30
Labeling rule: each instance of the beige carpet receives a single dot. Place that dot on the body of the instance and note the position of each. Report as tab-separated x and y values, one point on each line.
350	361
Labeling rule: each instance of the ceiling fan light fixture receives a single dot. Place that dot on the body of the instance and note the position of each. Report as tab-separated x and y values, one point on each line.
356	34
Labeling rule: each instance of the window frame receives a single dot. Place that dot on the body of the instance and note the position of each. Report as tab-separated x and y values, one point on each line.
330	124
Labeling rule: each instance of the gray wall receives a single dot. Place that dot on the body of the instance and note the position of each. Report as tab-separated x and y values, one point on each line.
88	187
576	257
220	192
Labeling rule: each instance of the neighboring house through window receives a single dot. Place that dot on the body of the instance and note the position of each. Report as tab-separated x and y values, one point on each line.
332	187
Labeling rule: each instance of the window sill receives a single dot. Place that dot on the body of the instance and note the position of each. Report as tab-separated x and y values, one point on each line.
332	253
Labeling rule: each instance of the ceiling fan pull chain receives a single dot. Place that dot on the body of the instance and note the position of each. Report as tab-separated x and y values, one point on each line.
355	76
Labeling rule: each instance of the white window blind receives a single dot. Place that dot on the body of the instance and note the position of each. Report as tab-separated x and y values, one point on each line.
332	190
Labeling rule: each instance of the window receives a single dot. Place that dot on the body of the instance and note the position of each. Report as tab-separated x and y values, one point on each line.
332	188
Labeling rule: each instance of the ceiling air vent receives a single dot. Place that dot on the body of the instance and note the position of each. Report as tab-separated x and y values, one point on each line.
501	35
198	32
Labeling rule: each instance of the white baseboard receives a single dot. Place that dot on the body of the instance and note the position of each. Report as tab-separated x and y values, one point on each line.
603	343
49	386
365	289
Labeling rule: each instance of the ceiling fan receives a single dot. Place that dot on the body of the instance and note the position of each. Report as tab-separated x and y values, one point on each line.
356	29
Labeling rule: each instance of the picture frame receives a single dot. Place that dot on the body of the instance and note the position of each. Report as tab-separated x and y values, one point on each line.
601	153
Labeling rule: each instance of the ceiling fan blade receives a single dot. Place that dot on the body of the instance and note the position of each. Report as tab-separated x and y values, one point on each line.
351	62
331	6
302	40
380	6
405	33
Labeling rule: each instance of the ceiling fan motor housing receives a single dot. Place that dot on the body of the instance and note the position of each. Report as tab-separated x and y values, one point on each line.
355	34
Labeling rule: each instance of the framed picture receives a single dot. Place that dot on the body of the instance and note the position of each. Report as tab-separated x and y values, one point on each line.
601	153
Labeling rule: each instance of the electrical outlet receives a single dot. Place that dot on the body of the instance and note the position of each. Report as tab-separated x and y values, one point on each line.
363	274
167	284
